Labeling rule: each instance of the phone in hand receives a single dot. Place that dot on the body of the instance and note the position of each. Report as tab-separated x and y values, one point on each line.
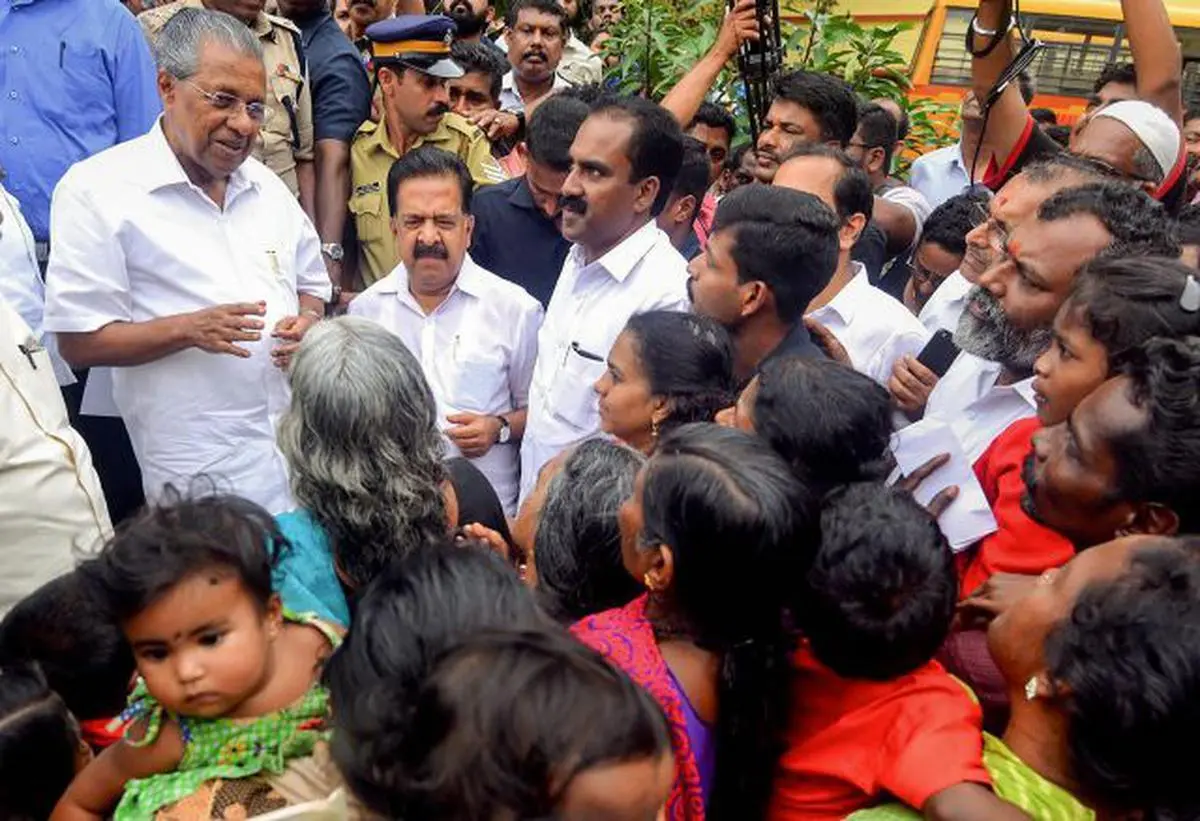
939	353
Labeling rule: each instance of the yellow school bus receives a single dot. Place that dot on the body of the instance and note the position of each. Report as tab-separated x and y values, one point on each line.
1084	35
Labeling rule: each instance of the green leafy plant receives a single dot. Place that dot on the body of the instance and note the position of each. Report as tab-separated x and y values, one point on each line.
658	41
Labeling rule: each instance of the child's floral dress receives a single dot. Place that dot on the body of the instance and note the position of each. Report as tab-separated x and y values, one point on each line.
220	749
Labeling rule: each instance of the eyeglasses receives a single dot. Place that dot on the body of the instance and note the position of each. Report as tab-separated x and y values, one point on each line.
222	101
920	274
997	235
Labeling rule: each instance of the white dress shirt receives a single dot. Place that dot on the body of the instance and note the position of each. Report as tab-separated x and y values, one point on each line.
51	503
21	281
135	240
477	350
873	327
588	310
946	304
978	410
510	95
940	175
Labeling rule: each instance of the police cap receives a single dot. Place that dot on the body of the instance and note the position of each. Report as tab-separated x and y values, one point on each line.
419	41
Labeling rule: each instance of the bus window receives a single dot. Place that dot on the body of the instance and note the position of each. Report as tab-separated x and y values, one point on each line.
1080	48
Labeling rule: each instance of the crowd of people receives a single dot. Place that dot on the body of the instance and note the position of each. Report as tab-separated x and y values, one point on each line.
400	422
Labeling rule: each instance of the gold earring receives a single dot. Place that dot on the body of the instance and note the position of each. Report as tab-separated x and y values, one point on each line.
653	428
649	582
1031	688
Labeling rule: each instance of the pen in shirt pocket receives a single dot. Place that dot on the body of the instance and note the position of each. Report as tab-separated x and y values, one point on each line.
585	353
62	50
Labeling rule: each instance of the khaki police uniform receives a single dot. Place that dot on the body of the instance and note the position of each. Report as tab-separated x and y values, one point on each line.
286	135
371	157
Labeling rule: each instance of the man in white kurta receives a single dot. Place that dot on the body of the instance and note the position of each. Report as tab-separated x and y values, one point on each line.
190	268
51	504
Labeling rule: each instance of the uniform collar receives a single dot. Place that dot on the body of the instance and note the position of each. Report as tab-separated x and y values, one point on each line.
621	260
469	281
162	169
262	26
376	137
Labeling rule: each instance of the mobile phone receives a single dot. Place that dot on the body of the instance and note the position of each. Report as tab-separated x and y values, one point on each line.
939	352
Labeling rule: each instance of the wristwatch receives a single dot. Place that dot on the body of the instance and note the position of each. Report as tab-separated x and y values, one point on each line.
333	250
505	434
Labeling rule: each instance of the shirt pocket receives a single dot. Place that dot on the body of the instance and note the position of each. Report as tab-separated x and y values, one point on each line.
84	72
480	376
573	397
284	119
370	218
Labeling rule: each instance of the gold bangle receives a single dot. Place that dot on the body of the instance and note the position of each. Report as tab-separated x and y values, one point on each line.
310	312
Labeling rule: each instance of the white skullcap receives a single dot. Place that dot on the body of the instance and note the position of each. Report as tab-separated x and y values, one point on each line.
1153	127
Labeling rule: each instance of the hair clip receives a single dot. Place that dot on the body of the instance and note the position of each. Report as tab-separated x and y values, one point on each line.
1189	300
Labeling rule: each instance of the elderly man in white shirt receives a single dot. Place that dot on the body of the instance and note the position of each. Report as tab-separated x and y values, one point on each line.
1009	318
874	328
189	268
623	166
474	333
51	504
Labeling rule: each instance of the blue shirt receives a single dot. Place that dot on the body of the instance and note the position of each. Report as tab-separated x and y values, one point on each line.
341	92
514	239
76	77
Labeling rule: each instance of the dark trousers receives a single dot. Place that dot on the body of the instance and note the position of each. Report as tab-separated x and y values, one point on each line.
112	454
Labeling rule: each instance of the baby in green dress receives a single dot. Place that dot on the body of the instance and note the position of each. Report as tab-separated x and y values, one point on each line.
228	683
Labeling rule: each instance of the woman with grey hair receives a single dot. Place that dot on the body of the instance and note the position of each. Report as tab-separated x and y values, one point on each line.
365	457
575	551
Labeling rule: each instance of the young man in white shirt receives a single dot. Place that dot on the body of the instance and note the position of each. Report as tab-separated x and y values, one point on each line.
1009	317
874	328
623	165
189	268
474	333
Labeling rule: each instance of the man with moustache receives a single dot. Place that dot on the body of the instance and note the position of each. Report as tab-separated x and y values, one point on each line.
811	108
623	166
472	18
412	62
518	223
285	140
189	268
537	34
474	333
1009	316
911	382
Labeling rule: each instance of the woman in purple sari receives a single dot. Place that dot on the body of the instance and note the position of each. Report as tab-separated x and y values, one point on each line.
719	531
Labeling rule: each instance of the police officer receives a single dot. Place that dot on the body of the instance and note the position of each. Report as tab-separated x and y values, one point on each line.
411	57
285	141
